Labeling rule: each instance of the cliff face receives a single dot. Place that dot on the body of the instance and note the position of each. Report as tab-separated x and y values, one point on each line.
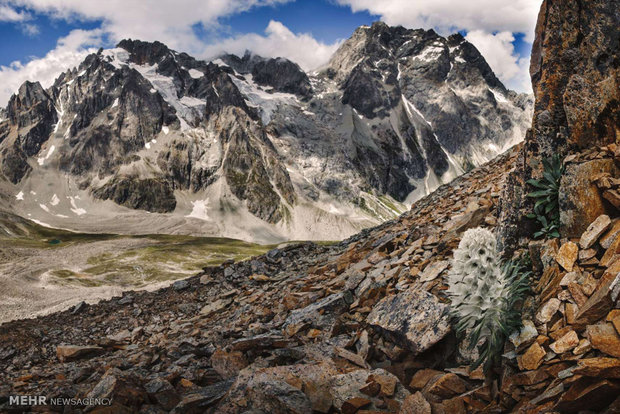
575	71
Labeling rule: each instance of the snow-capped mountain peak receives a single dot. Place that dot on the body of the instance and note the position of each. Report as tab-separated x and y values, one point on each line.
249	147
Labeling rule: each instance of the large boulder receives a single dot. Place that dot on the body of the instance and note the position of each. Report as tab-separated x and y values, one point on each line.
414	319
283	389
580	199
319	315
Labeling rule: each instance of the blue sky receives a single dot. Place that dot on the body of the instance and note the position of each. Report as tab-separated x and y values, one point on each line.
325	20
44	37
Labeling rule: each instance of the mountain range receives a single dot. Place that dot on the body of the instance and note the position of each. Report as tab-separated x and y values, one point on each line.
141	138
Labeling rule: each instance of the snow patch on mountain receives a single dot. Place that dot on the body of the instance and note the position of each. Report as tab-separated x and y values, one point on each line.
266	102
41	160
196	74
199	209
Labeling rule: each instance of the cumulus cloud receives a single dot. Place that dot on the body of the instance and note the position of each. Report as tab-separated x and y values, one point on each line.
169	21
448	15
69	52
278	41
499	52
165	20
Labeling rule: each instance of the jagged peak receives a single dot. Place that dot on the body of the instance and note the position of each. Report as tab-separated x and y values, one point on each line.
28	94
250	59
132	45
381	41
143	52
28	88
456	39
280	73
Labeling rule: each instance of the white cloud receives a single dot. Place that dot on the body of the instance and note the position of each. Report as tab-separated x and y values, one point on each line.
20	18
169	21
278	41
69	52
29	29
499	53
449	15
9	14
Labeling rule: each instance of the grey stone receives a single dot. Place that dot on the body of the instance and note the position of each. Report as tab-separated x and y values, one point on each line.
414	319
180	285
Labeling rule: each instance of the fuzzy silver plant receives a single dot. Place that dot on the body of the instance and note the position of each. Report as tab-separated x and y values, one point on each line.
483	292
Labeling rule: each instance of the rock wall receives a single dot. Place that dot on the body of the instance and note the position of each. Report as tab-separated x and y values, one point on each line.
575	76
568	351
575	71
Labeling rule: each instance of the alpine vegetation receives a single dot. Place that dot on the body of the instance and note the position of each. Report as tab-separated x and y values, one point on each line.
484	293
546	209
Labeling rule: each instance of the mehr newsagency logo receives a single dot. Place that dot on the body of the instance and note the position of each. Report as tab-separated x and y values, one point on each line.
33	400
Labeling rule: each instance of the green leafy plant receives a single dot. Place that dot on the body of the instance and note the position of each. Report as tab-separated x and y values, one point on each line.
484	294
547	207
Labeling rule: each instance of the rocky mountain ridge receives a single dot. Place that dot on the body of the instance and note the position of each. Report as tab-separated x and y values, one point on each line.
252	147
362	326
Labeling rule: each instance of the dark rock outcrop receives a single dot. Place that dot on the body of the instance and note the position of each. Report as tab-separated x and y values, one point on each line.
413	319
576	77
150	194
279	73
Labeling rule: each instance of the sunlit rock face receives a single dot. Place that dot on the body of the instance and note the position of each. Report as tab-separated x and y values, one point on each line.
251	147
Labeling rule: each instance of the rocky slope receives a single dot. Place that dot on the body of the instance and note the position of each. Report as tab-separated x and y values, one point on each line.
361	326
303	328
253	148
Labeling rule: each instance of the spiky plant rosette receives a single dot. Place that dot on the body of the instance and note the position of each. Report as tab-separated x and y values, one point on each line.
547	196
484	294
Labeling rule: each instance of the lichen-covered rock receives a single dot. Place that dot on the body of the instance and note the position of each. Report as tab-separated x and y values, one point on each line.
414	319
602	300
320	314
567	255
580	199
605	338
575	75
594	231
349	385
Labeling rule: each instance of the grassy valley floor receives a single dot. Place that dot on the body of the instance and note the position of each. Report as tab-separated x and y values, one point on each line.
44	270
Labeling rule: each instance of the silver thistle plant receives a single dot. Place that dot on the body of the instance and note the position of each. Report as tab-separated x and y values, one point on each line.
484	293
